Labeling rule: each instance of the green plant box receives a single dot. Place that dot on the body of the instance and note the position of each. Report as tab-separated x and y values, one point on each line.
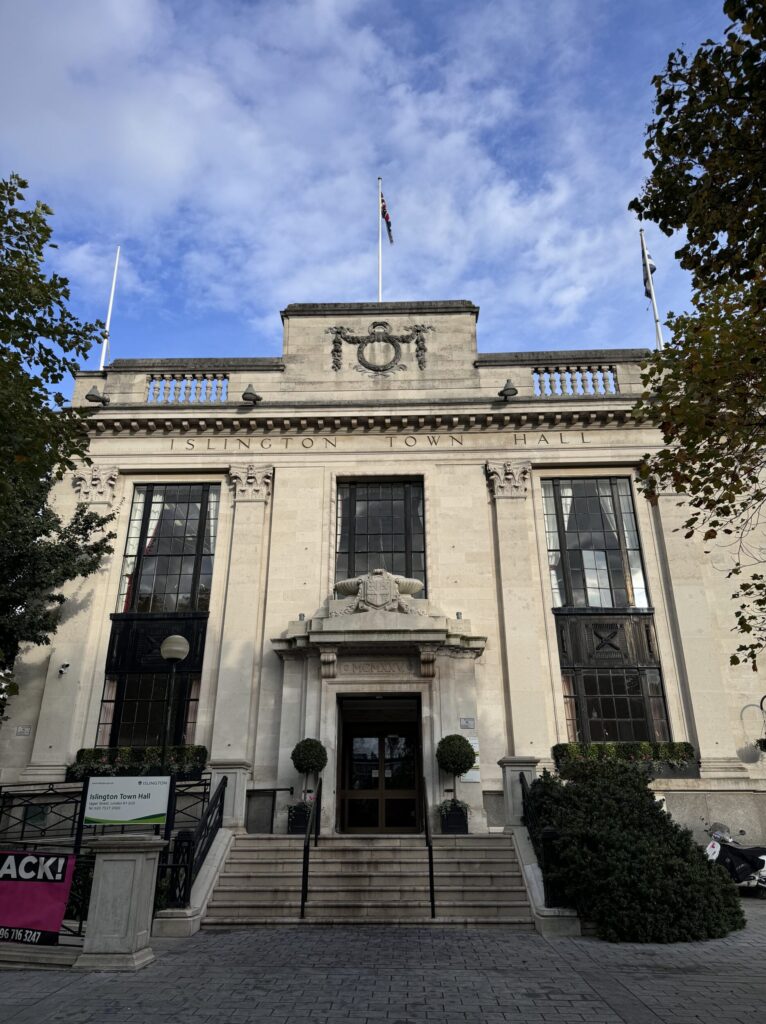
662	760
185	763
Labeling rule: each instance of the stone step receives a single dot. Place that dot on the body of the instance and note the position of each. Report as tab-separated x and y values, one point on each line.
515	922
373	880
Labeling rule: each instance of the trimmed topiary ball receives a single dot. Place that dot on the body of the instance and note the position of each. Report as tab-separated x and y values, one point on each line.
309	756
455	755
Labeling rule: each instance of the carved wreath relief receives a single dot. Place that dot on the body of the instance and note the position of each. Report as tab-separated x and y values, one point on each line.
379	352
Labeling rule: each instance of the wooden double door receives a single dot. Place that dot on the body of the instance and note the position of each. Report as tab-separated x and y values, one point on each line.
381	769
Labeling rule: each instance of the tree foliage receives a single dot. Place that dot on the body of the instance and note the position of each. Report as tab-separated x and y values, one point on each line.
624	864
707	388
40	342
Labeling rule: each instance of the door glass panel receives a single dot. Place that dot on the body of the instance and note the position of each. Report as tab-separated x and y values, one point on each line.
400	814
399	762
363	813
365	763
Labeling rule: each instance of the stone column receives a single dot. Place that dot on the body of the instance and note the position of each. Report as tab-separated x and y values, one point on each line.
121	907
232	741
75	644
702	647
523	625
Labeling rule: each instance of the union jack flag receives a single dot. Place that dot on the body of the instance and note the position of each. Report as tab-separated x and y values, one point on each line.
384	214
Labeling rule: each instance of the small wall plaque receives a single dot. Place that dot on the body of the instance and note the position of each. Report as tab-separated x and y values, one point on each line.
467	723
23	730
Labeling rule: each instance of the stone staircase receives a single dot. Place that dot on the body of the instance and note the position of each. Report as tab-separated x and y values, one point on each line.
371	880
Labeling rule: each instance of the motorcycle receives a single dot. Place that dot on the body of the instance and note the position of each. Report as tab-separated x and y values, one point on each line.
745	864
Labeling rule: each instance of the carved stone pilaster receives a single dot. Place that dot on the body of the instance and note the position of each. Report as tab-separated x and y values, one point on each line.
508	479
251	483
96	484
328	662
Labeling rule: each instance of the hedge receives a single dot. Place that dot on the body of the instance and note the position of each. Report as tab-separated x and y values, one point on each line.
183	761
623	863
677	755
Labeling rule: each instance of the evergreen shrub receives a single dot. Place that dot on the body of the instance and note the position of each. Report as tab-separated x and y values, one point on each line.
455	755
624	864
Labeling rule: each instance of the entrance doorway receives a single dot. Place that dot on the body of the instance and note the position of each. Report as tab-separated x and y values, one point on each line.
381	764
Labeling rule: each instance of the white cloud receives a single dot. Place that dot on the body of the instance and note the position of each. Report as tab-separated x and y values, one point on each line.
233	147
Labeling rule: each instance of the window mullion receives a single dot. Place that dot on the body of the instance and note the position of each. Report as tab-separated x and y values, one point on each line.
119	701
201	532
569	595
623	547
408	529
351	531
138	567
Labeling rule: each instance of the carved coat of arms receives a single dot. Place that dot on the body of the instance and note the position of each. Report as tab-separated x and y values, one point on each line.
379	591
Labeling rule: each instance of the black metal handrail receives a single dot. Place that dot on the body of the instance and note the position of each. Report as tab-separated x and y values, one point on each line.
429	846
312	825
180	863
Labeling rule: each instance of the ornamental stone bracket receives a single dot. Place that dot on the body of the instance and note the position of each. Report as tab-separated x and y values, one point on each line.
251	483
96	484
377	616
508	479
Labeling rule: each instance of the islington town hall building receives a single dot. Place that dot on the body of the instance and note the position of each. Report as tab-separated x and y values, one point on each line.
378	539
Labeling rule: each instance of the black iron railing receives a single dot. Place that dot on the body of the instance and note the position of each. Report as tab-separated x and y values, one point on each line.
543	839
312	826
52	815
181	861
429	845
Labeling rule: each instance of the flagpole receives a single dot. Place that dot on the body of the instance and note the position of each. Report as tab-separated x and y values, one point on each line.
648	276
105	342
380	240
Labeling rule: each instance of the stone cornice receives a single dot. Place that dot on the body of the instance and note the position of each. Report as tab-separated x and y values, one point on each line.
296	309
196	420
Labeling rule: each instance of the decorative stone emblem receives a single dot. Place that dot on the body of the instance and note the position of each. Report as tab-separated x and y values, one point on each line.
96	483
379	353
508	479
379	591
251	483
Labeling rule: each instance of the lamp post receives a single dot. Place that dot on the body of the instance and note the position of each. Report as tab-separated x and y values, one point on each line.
173	649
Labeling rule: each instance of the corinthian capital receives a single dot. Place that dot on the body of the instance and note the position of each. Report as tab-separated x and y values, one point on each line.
508	479
251	483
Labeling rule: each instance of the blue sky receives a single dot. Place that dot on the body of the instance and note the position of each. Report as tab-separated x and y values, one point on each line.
232	148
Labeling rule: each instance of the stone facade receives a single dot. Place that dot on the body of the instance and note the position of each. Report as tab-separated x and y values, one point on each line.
389	392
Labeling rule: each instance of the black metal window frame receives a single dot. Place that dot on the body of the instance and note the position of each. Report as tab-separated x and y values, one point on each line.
130	596
118	696
628	570
631	709
413	487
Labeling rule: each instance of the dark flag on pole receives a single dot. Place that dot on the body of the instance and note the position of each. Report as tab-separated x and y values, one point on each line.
386	218
649	268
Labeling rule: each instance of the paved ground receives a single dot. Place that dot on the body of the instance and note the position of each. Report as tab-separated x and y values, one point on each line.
408	976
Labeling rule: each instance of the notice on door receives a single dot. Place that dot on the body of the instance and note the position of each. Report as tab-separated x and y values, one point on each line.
34	892
127	801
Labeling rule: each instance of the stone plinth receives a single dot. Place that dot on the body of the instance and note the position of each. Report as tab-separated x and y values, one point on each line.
512	768
121	903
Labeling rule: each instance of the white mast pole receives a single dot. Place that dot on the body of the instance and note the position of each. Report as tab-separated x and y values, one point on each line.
380	239
105	342
648	276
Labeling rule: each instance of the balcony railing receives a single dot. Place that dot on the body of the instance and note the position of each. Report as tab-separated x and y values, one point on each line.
186	388
574	381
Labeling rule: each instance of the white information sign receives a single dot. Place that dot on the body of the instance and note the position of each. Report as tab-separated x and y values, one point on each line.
139	800
474	775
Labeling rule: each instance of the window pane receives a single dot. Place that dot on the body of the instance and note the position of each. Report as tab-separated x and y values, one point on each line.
380	525
159	536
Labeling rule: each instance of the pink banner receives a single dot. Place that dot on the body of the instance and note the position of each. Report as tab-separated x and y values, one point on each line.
34	891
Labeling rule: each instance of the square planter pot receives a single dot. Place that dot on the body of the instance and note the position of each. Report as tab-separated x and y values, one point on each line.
454	822
297	820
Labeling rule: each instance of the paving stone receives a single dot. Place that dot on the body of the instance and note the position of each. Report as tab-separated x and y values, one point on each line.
388	975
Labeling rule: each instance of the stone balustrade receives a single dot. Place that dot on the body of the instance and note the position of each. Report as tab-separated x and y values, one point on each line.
186	388
574	381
